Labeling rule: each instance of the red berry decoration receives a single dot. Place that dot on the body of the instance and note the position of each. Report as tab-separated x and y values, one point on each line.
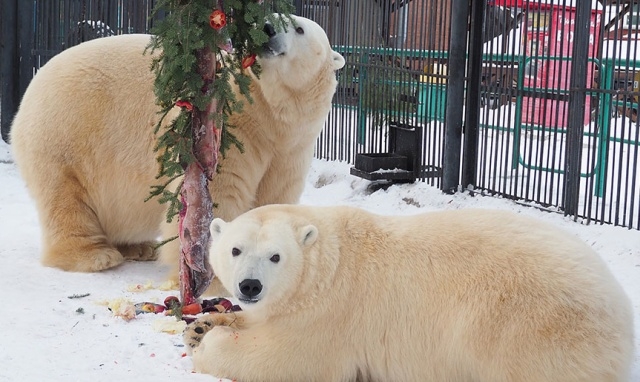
186	104
217	19
248	61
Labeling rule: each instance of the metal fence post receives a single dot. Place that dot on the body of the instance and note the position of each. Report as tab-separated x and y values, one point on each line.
472	104
455	96
9	61
25	45
577	97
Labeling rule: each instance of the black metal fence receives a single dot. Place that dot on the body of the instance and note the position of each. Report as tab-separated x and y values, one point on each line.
532	100
566	81
392	81
33	31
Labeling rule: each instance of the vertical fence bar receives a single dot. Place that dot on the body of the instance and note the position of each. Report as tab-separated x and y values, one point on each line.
25	49
577	97
455	96
9	61
472	104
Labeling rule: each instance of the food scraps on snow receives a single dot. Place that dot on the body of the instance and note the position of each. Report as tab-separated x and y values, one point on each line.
173	307
121	307
184	314
125	309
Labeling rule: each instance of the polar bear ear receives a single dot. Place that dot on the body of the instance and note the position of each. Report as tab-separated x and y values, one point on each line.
216	227
308	235
338	60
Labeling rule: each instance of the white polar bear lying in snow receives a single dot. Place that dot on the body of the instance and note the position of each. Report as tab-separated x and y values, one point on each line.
340	294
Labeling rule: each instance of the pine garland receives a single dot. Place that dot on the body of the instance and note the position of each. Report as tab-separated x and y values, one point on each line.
190	28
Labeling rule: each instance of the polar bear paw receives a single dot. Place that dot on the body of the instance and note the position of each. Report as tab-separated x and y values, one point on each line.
195	331
139	252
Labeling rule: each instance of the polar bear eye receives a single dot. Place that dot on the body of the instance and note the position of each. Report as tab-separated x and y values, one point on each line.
299	30
275	258
235	252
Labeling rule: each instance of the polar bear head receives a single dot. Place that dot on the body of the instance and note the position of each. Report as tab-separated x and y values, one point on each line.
260	258
296	56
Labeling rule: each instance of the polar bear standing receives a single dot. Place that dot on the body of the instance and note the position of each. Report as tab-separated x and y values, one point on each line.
83	141
339	294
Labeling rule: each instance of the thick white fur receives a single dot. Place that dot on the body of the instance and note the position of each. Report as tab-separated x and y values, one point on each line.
476	295
83	140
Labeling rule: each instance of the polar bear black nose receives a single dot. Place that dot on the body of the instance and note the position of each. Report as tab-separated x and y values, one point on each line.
269	30
250	287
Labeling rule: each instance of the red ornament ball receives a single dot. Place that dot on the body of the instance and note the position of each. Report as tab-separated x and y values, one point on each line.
217	19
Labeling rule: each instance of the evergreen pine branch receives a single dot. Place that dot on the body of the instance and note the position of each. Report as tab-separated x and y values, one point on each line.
165	241
177	38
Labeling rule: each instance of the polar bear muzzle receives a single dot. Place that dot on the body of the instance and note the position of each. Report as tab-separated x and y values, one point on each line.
276	45
249	290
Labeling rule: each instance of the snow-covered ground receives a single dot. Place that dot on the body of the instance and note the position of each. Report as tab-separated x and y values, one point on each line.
46	336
